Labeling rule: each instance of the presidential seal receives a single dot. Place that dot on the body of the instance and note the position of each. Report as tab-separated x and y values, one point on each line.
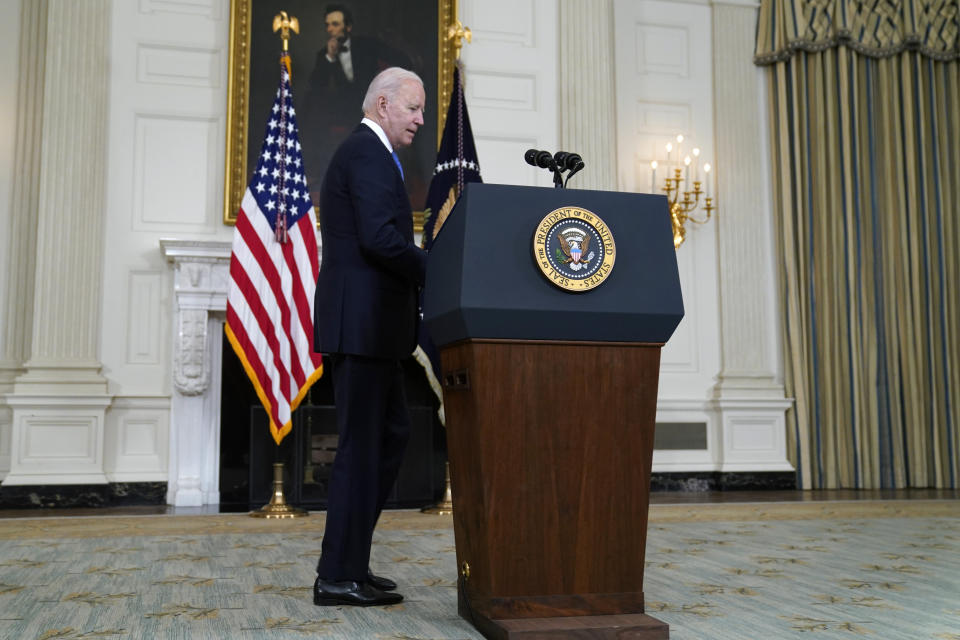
574	249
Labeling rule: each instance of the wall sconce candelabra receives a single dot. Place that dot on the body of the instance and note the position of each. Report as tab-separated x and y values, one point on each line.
683	189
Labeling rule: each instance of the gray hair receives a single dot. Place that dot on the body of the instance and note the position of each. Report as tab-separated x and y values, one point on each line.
387	83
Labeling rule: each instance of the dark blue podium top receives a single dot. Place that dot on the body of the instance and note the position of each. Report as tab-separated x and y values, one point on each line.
483	281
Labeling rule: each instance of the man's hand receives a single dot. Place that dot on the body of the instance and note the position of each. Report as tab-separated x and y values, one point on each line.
333	47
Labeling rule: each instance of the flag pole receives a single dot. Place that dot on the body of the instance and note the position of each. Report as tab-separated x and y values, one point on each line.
458	33
278	506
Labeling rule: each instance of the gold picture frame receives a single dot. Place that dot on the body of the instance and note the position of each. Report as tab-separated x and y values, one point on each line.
246	38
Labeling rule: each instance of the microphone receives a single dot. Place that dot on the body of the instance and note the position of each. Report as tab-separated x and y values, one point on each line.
557	163
568	161
573	163
542	159
545	161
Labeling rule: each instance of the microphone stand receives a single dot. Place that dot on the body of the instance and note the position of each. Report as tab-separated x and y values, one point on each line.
558	178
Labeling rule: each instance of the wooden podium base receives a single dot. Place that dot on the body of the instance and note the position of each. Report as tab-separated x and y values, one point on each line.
631	626
550	453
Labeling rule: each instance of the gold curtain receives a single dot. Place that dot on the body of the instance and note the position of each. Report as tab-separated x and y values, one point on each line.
864	102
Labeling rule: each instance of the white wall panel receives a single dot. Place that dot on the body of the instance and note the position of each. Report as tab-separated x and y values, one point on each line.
510	22
507	91
189	67
205	8
146	320
62	443
662	49
175	180
511	85
137	431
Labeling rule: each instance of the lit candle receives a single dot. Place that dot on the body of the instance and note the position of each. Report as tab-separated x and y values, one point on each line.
696	164
686	173
706	177
679	146
669	149
653	176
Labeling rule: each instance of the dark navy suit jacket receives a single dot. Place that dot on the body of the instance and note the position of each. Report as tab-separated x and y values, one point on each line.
371	269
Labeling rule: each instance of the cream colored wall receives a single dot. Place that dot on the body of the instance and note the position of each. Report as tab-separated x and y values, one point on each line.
167	111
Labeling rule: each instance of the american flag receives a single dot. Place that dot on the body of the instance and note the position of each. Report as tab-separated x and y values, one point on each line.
273	270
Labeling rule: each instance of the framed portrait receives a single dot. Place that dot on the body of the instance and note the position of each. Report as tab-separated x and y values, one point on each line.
340	47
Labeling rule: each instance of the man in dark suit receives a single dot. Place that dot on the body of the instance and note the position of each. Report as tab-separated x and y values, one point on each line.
344	67
365	319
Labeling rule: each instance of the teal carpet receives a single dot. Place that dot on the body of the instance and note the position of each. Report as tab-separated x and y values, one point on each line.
835	570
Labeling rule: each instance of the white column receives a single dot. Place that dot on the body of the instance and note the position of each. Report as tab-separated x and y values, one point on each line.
749	391
587	97
16	303
201	278
60	400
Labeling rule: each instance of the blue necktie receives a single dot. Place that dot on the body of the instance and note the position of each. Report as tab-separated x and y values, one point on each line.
397	160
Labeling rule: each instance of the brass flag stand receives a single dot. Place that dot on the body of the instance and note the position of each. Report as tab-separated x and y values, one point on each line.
278	507
445	506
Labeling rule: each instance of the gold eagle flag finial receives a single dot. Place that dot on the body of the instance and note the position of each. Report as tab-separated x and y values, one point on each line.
283	24
457	32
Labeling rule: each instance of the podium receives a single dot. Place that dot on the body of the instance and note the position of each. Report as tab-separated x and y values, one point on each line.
550	395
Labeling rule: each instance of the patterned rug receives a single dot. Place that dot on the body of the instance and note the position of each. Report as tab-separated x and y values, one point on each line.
887	570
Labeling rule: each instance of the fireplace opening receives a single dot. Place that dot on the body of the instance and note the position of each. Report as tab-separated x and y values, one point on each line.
247	450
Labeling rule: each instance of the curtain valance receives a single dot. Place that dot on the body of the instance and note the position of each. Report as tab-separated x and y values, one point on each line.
875	28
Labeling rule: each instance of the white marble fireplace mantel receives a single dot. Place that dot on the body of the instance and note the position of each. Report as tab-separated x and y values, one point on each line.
201	276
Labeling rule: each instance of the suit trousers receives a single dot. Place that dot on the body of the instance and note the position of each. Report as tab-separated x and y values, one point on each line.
373	424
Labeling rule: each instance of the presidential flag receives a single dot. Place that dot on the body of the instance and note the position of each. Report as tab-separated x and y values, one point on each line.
273	270
456	166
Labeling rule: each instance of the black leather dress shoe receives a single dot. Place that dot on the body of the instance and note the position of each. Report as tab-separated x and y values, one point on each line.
384	584
357	594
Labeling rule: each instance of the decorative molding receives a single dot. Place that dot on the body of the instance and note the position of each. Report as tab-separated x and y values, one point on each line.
137	439
143	317
754	435
57	440
58	403
21	237
180	65
200	286
200	291
207	8
497	90
662	50
661	119
72	182
744	234
191	373
511	22
587	91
